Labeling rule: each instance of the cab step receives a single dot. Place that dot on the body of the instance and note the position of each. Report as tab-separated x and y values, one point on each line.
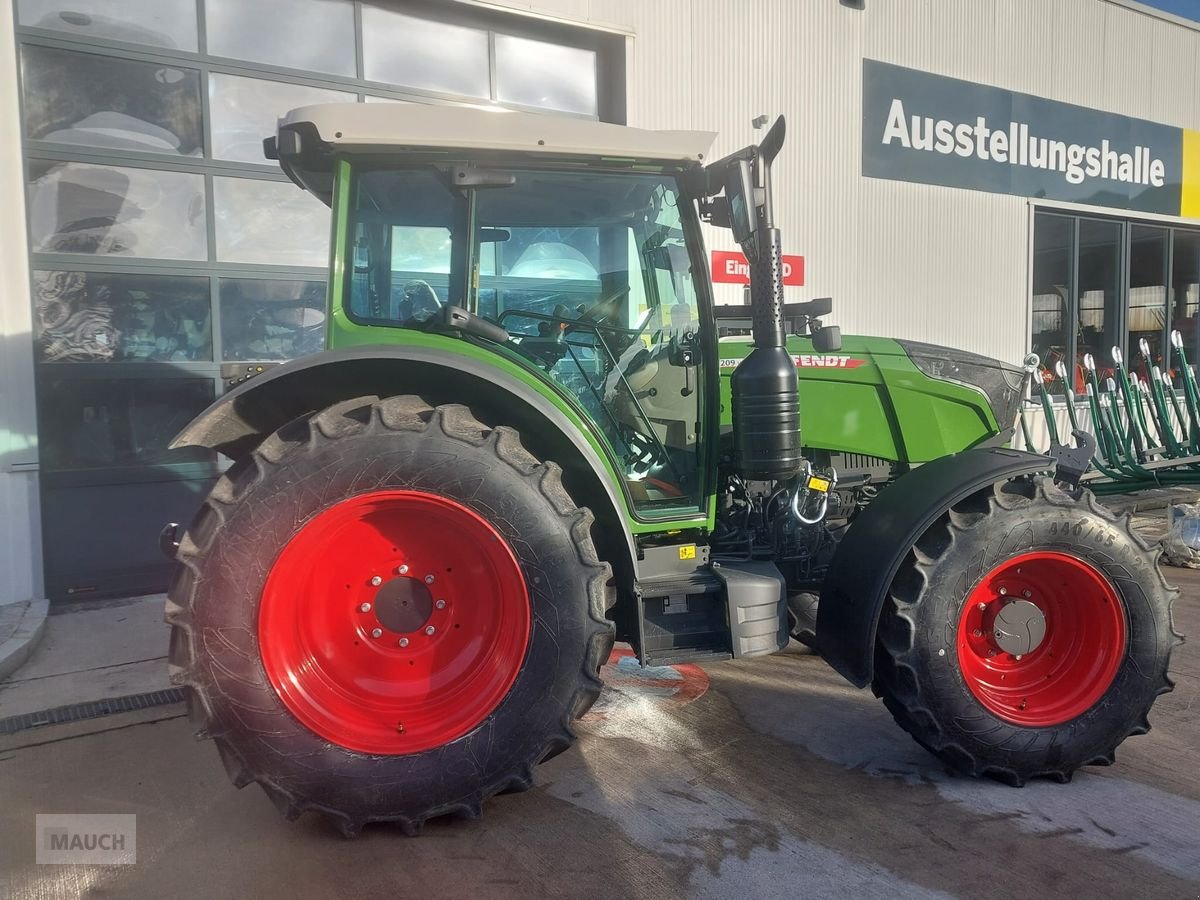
692	611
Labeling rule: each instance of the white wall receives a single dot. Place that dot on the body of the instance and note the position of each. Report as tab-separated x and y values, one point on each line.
905	260
20	529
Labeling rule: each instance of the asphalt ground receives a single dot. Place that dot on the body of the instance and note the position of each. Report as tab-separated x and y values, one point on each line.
762	778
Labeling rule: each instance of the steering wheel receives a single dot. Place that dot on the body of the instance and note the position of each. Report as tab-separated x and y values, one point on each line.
421	301
604	308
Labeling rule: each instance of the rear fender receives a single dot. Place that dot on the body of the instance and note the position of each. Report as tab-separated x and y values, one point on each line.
881	536
240	420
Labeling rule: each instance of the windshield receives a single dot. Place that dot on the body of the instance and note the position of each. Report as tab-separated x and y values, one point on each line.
587	270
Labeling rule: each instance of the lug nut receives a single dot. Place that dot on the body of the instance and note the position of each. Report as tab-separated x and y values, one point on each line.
366	607
1003	592
376	632
982	607
376	581
402	570
441	604
1028	594
1018	656
429	629
429	579
978	633
403	642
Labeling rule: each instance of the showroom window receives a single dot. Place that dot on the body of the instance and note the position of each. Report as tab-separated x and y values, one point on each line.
168	255
1100	283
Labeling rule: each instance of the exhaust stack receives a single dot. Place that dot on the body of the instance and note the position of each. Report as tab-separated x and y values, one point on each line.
766	402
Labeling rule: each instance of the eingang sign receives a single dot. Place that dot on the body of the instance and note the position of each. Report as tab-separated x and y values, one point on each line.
935	130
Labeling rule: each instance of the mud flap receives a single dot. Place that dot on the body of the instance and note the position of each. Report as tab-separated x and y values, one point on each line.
874	547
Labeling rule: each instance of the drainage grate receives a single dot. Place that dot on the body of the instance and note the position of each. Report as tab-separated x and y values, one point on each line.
93	710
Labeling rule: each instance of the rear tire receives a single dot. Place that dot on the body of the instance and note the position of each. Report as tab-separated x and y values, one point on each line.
297	661
1084	663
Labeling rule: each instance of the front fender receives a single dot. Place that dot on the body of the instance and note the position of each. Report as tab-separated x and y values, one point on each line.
881	536
454	373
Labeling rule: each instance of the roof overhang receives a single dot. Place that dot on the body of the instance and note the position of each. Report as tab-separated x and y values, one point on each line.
373	128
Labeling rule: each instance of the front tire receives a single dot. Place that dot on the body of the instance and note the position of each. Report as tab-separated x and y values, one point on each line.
389	612
1028	634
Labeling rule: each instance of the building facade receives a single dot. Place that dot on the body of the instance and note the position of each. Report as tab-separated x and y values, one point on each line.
994	175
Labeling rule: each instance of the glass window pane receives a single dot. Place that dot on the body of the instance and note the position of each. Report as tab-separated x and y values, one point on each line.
535	73
92	423
1099	292
245	110
103	317
1147	295
85	208
101	101
314	35
1185	291
403	50
1052	290
270	222
163	23
263	319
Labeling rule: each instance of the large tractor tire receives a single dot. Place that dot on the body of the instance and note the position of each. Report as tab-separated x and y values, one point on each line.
389	612
1027	634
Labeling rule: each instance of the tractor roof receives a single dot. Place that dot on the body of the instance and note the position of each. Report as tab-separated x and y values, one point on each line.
372	127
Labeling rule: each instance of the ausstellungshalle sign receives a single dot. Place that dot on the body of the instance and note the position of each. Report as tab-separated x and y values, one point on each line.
935	130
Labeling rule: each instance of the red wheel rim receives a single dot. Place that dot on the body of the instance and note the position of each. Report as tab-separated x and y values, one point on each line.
1072	665
394	622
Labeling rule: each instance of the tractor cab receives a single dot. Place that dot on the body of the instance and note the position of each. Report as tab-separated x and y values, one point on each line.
568	245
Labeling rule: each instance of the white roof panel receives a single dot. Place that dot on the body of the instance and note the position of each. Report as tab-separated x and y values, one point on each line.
378	125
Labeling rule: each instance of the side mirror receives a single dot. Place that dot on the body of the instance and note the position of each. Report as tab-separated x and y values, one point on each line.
828	339
739	196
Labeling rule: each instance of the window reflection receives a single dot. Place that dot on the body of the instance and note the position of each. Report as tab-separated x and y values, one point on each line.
163	23
314	35
535	73
418	53
264	320
1099	292
1185	290
1147	297
101	101
85	208
109	317
89	423
269	222
1052	256
243	111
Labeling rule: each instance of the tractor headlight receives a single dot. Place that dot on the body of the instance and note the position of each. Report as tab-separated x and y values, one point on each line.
999	382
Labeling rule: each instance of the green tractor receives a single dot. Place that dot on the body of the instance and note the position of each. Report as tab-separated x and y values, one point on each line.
522	446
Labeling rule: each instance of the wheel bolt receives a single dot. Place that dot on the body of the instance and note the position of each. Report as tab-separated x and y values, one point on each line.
429	629
402	570
376	581
403	642
1018	656
982	607
978	633
376	632
429	579
366	607
1028	594
441	604
1003	592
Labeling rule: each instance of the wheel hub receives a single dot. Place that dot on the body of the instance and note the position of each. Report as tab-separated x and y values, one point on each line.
1019	628
394	621
403	604
1041	638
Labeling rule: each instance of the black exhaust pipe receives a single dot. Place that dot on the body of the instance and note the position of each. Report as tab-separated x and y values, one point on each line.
766	401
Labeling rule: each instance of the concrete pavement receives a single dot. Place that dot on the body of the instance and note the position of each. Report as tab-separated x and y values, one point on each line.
777	780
